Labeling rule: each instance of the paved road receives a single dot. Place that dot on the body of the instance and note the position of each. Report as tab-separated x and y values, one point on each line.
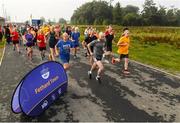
144	95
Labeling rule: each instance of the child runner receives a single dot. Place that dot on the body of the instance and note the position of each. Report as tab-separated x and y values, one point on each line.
123	50
75	38
64	47
41	40
97	53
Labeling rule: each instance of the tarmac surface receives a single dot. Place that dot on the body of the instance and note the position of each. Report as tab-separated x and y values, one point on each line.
144	95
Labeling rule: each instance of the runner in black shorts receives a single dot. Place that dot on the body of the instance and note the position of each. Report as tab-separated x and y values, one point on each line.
109	39
52	43
15	39
97	54
91	37
41	40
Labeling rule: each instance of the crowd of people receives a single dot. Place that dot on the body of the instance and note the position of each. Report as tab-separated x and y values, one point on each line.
63	41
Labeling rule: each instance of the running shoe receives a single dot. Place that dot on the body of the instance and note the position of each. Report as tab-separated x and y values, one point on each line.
126	72
98	79
75	57
86	55
89	74
106	61
113	60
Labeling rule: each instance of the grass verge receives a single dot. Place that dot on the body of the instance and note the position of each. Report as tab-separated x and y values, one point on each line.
2	45
161	55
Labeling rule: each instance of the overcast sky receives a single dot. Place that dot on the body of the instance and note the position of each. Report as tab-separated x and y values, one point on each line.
20	10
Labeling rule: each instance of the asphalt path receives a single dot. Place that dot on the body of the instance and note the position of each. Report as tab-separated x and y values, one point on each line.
144	95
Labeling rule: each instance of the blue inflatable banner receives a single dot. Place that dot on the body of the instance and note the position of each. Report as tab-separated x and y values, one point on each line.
39	89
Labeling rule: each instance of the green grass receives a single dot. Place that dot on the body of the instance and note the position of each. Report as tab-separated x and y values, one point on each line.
2	44
161	55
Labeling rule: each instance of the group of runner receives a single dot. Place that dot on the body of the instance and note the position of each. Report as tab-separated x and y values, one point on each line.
63	41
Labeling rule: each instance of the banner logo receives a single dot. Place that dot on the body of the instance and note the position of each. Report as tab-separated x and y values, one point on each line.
45	73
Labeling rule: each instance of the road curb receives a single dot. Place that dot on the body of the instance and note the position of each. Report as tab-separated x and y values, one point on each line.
154	68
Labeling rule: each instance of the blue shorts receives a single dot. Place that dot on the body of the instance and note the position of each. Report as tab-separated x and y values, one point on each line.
64	60
75	44
29	44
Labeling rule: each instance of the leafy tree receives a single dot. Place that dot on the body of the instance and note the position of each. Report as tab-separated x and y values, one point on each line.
102	12
117	14
131	9
92	12
171	17
149	12
131	19
178	17
62	21
43	19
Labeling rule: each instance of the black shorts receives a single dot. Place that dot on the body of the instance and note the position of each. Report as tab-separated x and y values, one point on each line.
52	45
122	56
1	35
97	58
109	48
15	42
35	40
42	48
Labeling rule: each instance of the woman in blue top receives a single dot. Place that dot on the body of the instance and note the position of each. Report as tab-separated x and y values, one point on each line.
75	38
63	48
29	43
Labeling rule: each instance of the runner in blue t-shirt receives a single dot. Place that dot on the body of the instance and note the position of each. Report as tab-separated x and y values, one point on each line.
63	50
75	38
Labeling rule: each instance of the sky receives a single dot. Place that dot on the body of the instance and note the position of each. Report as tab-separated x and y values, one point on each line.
20	10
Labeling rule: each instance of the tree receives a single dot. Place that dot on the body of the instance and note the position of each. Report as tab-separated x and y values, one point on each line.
92	12
171	17
54	21
43	19
102	12
149	12
161	16
178	17
49	22
62	21
131	9
117	14
131	19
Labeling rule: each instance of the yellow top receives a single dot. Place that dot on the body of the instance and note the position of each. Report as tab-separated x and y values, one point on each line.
125	48
45	29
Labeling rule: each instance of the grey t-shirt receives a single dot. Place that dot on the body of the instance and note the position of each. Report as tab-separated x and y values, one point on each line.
98	48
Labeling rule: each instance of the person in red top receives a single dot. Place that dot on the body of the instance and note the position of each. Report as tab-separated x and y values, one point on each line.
15	39
41	40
